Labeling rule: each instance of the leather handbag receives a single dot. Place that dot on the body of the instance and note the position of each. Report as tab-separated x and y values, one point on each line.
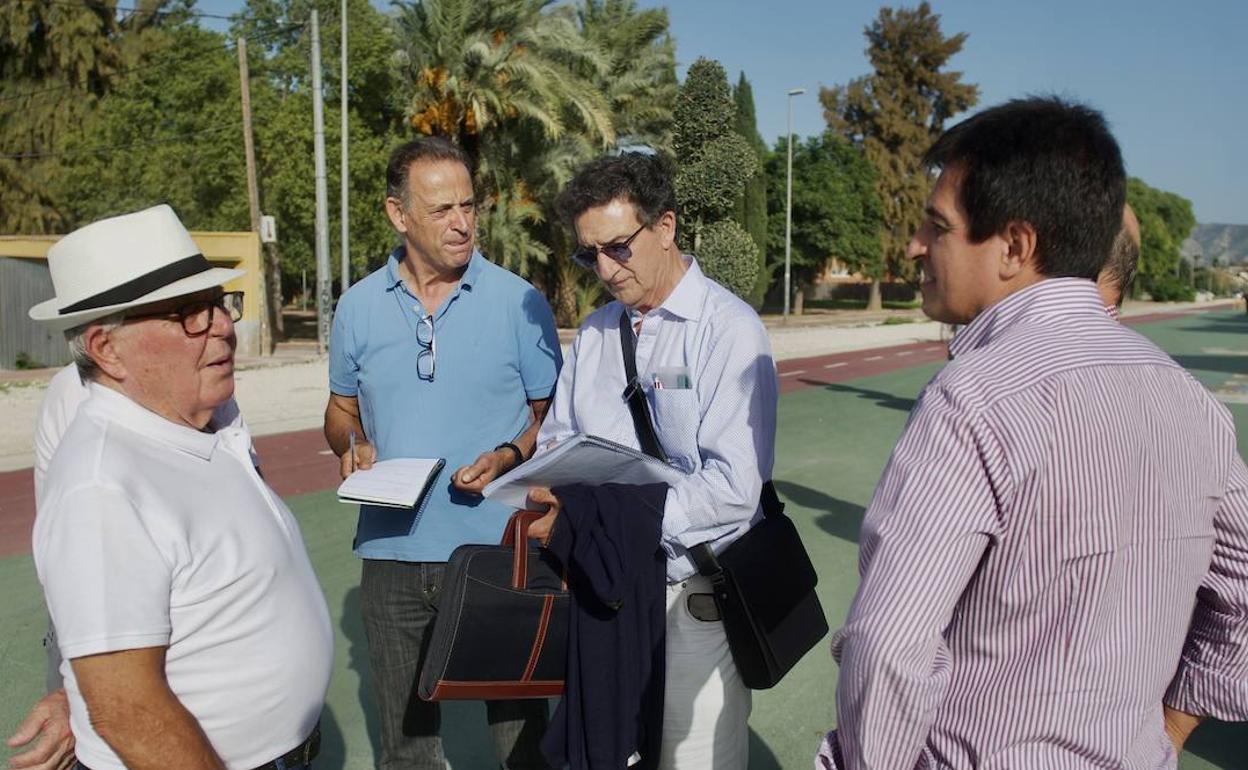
502	626
763	582
764	588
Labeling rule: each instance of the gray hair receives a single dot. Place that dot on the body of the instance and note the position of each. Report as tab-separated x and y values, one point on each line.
88	369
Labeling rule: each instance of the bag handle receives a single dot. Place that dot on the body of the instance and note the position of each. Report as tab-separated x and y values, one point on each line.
516	535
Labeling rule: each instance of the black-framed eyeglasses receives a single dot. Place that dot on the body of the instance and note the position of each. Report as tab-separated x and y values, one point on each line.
587	256
427	358
196	316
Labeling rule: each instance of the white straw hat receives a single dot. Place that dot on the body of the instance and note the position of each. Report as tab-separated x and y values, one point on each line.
121	262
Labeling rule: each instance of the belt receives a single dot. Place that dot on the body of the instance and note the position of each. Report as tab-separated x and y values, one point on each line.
299	755
296	757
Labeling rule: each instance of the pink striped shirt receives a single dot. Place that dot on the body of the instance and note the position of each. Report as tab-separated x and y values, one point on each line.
1064	500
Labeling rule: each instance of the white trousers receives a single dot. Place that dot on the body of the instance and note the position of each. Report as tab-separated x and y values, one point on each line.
705	706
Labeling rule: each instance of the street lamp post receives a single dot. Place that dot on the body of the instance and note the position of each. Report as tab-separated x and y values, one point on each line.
788	208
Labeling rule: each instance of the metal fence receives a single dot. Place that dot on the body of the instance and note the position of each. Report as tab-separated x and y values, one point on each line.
23	344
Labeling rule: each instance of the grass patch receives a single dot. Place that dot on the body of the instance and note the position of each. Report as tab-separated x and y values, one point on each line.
894	320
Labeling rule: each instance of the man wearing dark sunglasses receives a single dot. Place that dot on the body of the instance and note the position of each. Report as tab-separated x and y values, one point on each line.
438	353
705	366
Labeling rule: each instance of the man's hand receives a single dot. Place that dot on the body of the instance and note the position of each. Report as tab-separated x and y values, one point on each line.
1179	727
486	468
45	735
365	456
542	499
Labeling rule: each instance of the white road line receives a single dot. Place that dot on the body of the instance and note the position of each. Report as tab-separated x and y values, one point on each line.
793	373
325	452
905	352
833	366
872	358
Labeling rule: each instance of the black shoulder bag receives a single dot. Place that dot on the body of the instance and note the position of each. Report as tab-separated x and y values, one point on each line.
764	582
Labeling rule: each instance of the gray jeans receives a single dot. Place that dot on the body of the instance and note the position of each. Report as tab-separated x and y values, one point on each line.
400	602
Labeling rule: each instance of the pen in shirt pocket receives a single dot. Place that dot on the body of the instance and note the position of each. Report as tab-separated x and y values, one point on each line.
672	378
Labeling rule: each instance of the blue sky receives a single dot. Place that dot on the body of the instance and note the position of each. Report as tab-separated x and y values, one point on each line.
1171	77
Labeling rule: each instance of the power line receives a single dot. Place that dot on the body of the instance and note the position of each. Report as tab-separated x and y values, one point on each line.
152	11
200	53
112	148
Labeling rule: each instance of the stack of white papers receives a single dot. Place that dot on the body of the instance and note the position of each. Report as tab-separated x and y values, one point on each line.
399	483
581	459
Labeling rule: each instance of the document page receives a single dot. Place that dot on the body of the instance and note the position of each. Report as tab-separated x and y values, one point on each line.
400	482
581	459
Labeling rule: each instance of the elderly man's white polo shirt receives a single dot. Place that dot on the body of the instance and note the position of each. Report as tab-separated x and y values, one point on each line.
152	534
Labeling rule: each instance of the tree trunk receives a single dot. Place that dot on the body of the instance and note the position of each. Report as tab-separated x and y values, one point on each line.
799	300
273	269
874	299
565	308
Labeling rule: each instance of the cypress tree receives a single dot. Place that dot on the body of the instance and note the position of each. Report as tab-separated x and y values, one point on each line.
751	211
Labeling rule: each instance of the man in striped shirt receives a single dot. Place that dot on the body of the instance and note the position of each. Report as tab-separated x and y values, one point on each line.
1055	561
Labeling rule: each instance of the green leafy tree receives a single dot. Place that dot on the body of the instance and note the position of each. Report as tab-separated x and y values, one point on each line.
896	112
837	214
172	134
1166	220
714	162
57	60
729	256
279	59
751	210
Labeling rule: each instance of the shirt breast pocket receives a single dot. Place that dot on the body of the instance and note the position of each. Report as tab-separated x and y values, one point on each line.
676	419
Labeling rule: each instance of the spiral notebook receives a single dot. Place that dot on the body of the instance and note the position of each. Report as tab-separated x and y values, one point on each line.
401	482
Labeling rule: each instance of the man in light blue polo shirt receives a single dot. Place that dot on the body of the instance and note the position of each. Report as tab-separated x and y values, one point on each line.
439	353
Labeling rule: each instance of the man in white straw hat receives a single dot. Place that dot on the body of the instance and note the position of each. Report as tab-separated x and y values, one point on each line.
170	569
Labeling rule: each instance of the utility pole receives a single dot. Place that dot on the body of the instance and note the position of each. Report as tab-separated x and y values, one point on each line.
345	174
788	206
324	292
253	196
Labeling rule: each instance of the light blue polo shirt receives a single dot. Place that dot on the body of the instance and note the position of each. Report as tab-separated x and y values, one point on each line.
496	349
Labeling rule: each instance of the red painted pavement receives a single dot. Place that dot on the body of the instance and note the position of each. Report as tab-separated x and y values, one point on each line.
292	463
295	463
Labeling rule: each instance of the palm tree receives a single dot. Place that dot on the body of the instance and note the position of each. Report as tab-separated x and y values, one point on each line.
477	68
640	78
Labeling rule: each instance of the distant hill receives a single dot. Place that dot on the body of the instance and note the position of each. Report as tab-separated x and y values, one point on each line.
1228	244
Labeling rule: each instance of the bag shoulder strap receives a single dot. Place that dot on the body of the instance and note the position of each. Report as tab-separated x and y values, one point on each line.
702	555
634	396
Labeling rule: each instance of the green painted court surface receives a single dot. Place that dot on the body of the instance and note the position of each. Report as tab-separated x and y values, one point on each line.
833	442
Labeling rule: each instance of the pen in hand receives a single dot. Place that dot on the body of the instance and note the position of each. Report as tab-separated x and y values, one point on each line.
351	449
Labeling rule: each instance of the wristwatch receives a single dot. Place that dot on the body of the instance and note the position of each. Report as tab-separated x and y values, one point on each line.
514	450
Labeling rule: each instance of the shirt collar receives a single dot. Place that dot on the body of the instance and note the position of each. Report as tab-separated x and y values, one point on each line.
120	408
687	299
476	264
1049	298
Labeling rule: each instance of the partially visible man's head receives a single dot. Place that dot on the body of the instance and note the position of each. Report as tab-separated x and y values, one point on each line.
1035	187
622	209
145	313
430	201
1116	277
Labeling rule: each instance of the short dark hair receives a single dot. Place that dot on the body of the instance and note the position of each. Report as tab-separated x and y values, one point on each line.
1124	260
1045	161
643	179
424	148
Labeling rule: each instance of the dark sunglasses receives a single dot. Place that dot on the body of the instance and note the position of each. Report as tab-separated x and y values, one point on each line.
587	256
